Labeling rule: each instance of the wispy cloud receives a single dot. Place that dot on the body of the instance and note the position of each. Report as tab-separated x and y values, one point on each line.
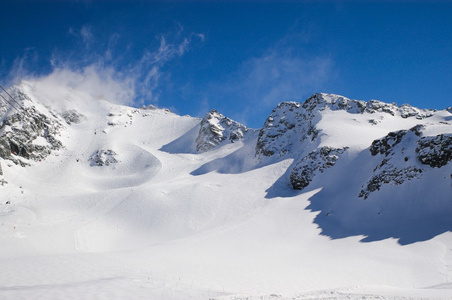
84	34
100	84
278	75
99	67
112	43
22	66
148	70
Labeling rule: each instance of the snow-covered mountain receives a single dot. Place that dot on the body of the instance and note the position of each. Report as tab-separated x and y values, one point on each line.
331	196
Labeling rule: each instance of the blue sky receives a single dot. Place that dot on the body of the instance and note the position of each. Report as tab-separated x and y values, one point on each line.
240	57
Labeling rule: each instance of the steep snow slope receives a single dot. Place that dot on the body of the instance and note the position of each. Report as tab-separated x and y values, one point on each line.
130	206
404	153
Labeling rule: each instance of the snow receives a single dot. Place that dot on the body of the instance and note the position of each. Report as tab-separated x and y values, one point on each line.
166	222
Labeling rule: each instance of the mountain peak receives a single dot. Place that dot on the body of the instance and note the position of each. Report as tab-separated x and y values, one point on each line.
28	130
216	129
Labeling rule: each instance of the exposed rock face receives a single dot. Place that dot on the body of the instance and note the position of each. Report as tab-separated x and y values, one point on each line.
216	129
407	111
148	107
103	158
376	106
315	162
288	123
435	151
397	165
293	123
72	116
336	102
27	133
389	174
322	101
386	144
293	127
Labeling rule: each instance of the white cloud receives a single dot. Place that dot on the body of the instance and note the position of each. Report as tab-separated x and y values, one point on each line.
104	84
165	52
22	66
101	84
277	77
103	72
112	42
149	68
201	36
86	34
286	71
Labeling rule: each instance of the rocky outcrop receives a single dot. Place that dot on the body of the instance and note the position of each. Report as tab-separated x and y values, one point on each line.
291	124
408	111
292	128
386	144
103	158
336	102
322	101
288	123
397	164
405	110
26	133
216	129
72	116
374	106
435	151
389	174
315	162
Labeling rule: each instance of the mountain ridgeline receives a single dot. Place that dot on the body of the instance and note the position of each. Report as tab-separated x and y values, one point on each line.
291	131
370	161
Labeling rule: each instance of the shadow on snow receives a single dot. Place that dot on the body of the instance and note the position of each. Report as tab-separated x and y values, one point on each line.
405	212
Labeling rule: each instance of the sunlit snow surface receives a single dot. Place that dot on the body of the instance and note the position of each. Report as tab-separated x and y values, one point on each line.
166	222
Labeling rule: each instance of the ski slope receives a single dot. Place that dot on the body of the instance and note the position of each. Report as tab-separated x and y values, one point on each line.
168	222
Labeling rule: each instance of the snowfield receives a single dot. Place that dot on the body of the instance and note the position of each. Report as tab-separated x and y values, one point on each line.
131	207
